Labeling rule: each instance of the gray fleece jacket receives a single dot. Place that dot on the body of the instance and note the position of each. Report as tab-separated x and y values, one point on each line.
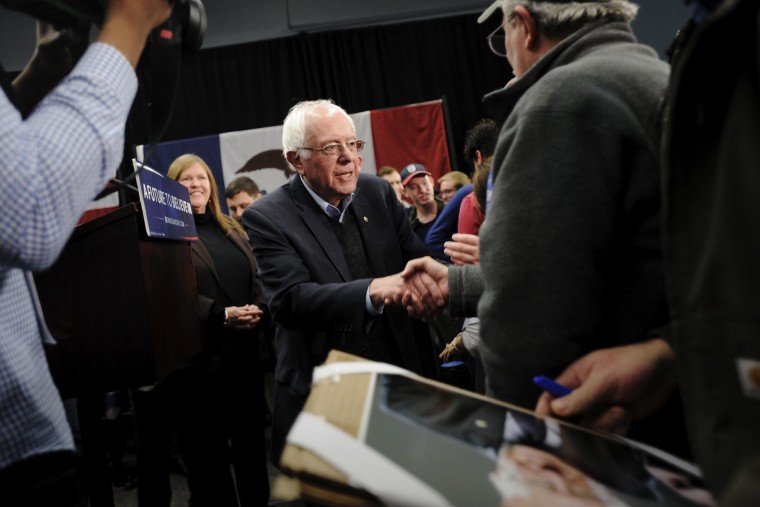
570	250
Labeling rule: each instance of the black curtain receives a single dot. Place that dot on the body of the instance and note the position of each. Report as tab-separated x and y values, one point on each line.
253	85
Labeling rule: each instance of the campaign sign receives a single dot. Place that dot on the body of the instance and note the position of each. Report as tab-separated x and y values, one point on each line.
165	205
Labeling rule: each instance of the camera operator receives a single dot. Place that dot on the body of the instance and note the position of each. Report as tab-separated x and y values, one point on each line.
52	163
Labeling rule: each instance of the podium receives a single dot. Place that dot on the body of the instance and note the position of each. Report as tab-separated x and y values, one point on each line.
123	309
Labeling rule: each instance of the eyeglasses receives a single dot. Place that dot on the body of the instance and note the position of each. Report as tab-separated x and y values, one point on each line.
496	40
335	149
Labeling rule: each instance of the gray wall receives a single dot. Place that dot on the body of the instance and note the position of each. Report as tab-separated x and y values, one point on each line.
240	21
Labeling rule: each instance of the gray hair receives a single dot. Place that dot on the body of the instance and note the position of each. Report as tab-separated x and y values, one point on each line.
295	128
562	17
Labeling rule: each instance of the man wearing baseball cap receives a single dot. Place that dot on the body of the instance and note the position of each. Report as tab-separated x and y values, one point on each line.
418	187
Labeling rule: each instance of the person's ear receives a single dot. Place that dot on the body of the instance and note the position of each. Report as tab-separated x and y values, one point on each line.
529	26
295	160
478	158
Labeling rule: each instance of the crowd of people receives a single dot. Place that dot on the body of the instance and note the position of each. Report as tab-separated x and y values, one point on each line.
603	236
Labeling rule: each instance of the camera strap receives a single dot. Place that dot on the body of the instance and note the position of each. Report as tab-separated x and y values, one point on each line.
162	61
158	75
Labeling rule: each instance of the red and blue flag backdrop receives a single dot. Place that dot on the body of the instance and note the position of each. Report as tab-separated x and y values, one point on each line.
395	136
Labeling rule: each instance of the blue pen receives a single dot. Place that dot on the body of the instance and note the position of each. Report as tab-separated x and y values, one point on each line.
552	387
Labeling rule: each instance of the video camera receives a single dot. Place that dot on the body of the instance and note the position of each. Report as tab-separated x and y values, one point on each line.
189	16
159	67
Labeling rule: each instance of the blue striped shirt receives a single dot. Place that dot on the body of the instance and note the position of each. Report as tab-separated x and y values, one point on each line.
52	165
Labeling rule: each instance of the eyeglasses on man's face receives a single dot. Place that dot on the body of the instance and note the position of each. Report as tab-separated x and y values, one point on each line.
333	150
496	38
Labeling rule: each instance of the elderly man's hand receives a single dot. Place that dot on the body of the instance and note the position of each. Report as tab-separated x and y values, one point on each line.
426	287
388	290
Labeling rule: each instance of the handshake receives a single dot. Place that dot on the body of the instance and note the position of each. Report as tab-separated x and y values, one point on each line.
423	287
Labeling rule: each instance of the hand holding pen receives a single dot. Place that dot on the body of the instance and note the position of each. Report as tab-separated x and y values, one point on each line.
550	386
613	387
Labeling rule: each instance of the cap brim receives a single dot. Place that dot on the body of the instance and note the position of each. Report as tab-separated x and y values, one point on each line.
414	175
489	11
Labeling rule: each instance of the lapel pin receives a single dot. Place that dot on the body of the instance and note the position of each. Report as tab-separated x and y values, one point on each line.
366	219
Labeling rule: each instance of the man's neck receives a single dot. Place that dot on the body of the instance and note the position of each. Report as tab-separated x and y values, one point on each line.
427	212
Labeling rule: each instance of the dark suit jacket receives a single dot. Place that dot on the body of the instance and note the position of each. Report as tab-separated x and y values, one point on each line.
314	302
229	359
207	362
207	279
222	392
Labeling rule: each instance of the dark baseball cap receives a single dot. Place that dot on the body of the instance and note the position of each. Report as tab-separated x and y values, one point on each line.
412	170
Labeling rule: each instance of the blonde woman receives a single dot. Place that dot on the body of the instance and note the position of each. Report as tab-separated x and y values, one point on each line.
218	397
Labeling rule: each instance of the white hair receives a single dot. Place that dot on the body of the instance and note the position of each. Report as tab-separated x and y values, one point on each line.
560	17
295	128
